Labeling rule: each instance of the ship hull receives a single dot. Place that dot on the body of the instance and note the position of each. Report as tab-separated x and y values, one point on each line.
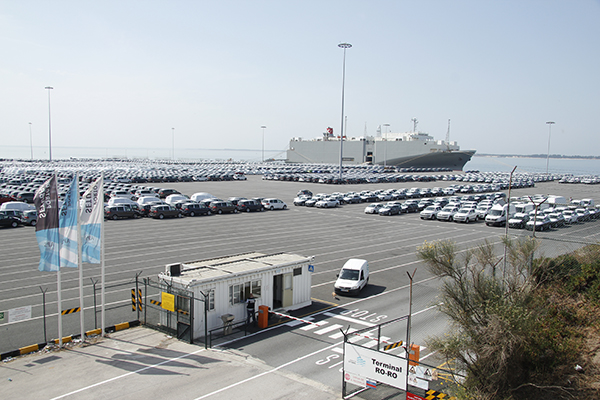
406	154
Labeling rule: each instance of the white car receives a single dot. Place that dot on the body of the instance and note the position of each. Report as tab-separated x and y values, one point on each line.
571	217
430	212
373	208
447	213
327	203
465	215
174	198
274	204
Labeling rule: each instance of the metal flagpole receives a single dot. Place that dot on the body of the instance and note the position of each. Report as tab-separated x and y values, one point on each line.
102	280
79	263
58	289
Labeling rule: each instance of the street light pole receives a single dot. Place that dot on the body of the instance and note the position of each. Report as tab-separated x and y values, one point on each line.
49	125
30	141
550	123
173	144
263	127
385	147
343	46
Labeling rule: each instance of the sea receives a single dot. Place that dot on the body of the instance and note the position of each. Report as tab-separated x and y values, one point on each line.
574	166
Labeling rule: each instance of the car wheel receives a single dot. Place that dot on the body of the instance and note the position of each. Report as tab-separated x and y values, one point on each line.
262	209
247	210
208	213
114	217
235	211
14	224
161	216
180	215
192	214
272	208
33	223
466	220
220	212
284	207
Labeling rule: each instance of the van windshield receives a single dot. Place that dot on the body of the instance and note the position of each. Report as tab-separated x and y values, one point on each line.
349	274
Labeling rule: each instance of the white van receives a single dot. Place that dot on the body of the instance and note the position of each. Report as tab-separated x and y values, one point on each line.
499	215
16	206
197	197
353	277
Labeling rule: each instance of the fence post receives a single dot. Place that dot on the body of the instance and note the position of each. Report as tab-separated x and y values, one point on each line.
44	311
95	305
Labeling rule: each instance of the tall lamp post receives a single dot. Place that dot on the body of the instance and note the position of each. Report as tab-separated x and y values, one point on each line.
343	46
550	123
173	144
30	141
385	147
263	142
49	125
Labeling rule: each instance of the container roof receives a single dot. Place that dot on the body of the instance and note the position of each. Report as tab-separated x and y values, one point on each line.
235	265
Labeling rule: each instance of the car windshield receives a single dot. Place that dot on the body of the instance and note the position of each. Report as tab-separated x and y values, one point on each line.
349	274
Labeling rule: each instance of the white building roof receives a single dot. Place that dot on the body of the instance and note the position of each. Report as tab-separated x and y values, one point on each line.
202	271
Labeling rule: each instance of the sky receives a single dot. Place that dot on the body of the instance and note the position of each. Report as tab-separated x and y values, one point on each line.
209	74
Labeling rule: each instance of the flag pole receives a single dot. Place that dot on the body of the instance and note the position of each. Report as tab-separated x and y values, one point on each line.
102	284
79	262
58	289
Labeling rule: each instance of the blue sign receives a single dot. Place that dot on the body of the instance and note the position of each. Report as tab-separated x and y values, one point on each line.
311	268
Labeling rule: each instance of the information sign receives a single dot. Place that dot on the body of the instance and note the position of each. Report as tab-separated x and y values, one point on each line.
375	365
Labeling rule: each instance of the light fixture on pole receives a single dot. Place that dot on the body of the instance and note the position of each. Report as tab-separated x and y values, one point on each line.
173	144
343	46
263	142
49	125
30	141
385	147
550	123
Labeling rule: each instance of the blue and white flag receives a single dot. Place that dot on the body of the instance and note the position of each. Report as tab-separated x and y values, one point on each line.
68	227
46	229
91	216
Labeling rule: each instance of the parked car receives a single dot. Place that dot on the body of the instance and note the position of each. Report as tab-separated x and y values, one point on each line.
164	211
518	221
571	217
447	213
121	211
430	212
352	199
250	205
465	215
373	208
26	197
304	192
301	200
29	217
192	209
327	202
220	207
541	223
274	204
390	209
556	219
9	221
353	277
164	193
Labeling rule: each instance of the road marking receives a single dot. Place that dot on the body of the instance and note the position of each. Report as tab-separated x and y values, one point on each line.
328	329
313	326
340	334
373	343
343	317
296	322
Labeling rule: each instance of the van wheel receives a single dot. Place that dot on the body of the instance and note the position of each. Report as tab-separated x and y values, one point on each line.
208	212
272	208
161	216
219	212
247	210
33	223
114	217
192	214
14	224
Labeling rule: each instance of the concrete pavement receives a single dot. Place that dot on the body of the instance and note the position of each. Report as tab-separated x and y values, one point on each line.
143	363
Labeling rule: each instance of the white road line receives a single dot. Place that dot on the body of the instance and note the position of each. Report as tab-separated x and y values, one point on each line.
328	329
313	326
343	317
338	350
296	322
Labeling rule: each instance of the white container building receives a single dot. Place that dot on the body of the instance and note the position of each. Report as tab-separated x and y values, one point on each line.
279	281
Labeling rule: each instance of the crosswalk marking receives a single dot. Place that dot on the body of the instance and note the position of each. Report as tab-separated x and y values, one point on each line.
298	322
313	326
328	329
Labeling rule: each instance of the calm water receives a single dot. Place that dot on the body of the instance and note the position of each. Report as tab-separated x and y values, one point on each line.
555	165
484	164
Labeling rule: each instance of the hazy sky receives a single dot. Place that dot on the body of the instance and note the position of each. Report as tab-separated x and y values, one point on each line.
125	73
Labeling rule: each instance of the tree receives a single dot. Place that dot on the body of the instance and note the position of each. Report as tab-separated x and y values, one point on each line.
498	336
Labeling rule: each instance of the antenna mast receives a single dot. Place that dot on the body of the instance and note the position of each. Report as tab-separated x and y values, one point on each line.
448	136
415	122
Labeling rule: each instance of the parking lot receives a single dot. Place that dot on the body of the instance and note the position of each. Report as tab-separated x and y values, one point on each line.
144	246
